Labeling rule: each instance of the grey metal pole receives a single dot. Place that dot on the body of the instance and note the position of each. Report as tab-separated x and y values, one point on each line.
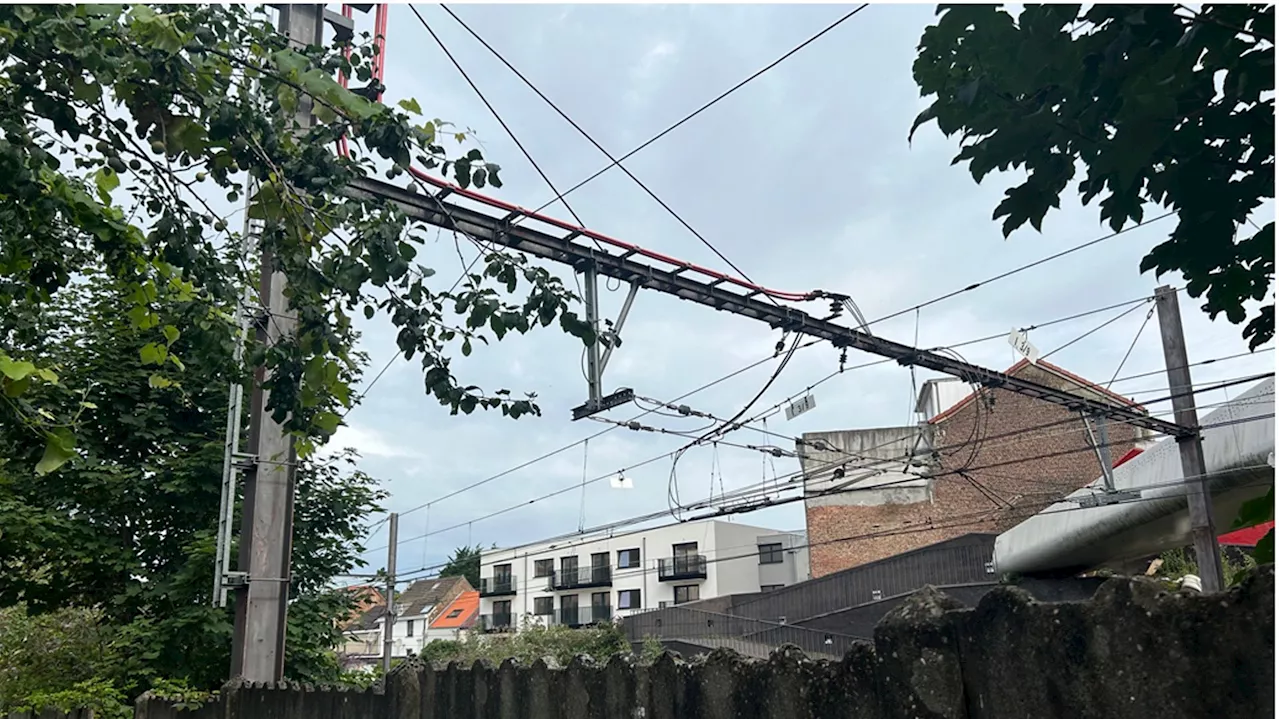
591	300
1199	501
389	619
266	534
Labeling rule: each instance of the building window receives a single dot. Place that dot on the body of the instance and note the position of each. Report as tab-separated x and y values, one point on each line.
408	628
629	599
628	558
687	593
544	567
771	553
454	614
543	606
502	573
771	587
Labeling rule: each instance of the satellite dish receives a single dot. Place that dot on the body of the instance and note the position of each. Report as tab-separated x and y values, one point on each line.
620	482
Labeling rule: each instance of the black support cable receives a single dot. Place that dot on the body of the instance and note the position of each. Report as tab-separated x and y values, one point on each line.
615	161
1022	268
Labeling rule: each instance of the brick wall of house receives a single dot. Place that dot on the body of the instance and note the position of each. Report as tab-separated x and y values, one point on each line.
985	498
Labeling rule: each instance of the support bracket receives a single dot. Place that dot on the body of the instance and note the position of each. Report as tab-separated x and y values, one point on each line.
609	338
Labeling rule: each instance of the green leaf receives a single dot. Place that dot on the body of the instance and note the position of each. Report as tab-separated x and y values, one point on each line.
152	353
59	447
15	369
86	91
107	180
159	382
170	333
186	135
15	388
327	422
1265	551
1256	511
411	105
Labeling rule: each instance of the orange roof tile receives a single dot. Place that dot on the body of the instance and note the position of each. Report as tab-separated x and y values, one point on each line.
460	613
1023	363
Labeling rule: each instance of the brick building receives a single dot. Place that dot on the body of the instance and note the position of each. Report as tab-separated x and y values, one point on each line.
978	463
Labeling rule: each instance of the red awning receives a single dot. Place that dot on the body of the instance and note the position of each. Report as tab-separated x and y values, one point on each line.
1247	537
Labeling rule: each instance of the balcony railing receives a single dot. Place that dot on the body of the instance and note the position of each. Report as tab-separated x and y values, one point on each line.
500	586
583	616
497	622
580	579
691	566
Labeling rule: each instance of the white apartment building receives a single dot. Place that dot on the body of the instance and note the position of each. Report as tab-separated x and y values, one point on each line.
584	580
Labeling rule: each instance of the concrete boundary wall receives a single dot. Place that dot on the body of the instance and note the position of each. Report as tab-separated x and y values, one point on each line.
1132	652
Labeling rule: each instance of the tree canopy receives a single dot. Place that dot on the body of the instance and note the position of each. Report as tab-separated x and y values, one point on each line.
127	530
121	126
464	562
1152	104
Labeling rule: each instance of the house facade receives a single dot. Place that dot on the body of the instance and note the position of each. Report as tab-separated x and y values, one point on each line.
977	462
585	580
417	607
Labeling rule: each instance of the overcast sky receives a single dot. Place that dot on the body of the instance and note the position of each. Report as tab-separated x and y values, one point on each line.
803	178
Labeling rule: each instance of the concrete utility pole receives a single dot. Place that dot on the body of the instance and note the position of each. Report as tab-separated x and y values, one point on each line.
389	619
1199	502
266	530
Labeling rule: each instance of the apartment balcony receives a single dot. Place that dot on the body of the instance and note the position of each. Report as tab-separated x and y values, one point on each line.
497	622
582	616
693	566
503	586
580	579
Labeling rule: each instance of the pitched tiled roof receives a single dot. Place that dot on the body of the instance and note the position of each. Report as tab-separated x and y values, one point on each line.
460	613
1023	364
424	594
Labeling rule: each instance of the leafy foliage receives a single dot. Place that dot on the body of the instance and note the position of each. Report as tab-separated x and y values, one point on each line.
1255	512
464	562
129	527
600	642
47	654
1155	103
119	123
1178	563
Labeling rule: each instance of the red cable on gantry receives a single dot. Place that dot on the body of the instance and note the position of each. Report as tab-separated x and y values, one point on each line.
627	246
378	68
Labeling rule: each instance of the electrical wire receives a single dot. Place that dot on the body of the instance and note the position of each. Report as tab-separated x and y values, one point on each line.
657	458
1022	268
1111	321
496	116
959	521
614	161
1129	351
706	106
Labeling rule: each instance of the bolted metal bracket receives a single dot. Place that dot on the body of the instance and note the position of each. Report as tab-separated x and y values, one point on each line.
609	338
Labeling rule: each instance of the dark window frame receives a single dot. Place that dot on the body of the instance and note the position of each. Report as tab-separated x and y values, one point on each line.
550	607
408	628
543	568
629	593
688	589
629	553
772	553
771	587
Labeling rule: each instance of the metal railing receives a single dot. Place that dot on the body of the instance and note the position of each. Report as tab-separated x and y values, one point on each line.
747	636
580	578
689	566
497	622
583	616
498	586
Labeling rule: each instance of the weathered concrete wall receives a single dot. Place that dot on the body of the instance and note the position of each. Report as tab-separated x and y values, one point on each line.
1135	651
